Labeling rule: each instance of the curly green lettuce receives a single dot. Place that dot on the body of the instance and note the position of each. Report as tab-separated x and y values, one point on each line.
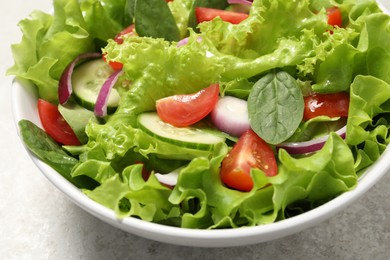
51	42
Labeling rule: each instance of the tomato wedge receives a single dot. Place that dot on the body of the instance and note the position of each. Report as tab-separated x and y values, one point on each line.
130	29
185	110
55	125
204	14
334	16
331	105
249	152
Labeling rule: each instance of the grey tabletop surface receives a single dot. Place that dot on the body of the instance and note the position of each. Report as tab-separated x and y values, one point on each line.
37	221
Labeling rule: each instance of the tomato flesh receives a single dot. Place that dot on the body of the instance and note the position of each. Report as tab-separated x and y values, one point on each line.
185	110
331	105
55	125
115	65
249	152
334	16
204	14
118	38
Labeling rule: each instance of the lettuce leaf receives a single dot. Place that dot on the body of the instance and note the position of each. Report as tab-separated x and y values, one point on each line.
51	42
129	195
206	203
261	33
317	178
368	123
181	11
157	69
349	59
221	52
316	127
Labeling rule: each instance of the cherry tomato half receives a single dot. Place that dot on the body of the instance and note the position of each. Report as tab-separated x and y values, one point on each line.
185	110
145	172
249	152
130	29
331	105
55	125
334	16
204	14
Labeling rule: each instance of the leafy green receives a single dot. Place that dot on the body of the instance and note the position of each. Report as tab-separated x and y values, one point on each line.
275	107
181	11
319	177
218	4
353	50
116	139
50	152
316	127
77	117
158	69
369	98
98	15
153	18
51	42
147	200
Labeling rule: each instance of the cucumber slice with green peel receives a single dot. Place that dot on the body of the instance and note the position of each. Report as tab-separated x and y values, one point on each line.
87	80
190	137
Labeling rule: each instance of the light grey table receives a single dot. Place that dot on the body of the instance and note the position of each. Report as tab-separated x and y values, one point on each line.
38	222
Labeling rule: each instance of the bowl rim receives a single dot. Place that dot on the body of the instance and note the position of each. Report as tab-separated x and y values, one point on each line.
23	93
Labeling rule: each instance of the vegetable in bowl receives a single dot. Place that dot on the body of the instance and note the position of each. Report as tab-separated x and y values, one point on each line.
279	55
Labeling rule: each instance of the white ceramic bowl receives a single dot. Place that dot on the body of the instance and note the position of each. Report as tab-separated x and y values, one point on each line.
24	101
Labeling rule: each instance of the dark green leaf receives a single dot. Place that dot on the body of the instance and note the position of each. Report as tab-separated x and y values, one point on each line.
97	16
50	152
153	18
129	11
217	4
275	107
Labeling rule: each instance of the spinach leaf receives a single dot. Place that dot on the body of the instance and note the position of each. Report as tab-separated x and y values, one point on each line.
217	4
153	18
275	107
119	10
129	11
50	152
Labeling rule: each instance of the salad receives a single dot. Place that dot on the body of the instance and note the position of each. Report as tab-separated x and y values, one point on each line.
208	114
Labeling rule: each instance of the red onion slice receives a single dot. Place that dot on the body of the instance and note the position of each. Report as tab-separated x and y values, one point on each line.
65	82
310	146
230	115
243	2
169	179
184	41
102	99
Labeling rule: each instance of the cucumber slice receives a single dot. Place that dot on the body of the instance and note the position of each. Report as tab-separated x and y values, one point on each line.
190	137
87	80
